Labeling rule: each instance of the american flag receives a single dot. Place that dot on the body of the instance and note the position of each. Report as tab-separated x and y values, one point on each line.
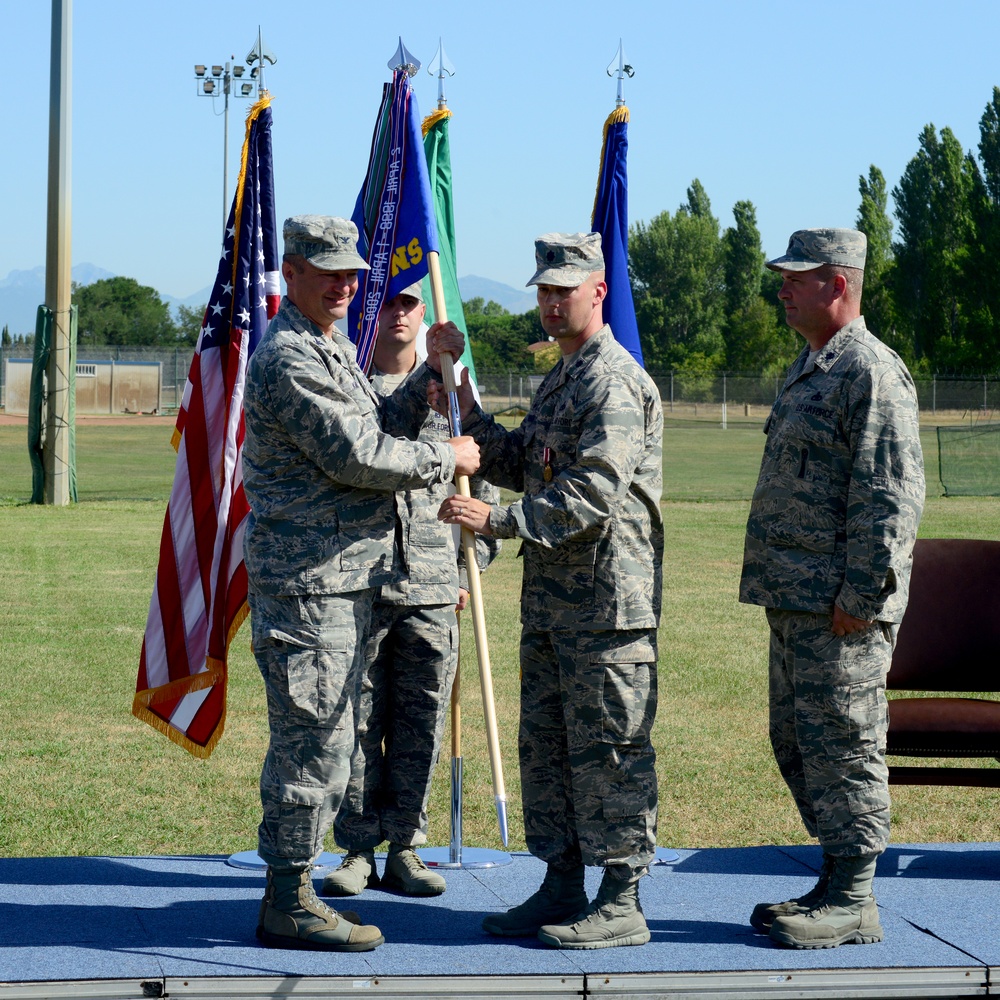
200	594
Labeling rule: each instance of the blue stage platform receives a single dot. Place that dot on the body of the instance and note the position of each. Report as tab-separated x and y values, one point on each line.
184	927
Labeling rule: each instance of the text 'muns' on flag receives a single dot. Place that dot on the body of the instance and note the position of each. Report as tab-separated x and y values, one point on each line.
200	592
610	219
394	214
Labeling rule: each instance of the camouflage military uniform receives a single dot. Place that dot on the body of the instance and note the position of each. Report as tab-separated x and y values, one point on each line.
320	472
833	520
410	664
588	459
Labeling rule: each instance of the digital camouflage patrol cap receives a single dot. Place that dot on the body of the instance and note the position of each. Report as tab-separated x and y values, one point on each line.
812	248
329	243
566	259
415	291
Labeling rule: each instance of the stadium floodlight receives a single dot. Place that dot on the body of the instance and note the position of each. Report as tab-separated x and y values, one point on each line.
224	75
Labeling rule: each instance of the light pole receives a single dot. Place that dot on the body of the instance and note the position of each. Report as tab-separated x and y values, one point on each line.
213	81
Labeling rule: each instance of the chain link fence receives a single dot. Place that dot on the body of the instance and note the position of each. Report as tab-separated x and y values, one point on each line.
738	397
720	397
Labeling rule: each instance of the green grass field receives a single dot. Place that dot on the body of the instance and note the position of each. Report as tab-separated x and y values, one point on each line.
79	775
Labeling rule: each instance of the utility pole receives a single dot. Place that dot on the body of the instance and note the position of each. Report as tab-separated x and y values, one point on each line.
58	259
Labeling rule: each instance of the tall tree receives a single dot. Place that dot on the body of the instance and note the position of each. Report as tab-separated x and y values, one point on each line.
499	340
936	231
743	259
984	288
757	337
877	302
123	312
675	264
189	322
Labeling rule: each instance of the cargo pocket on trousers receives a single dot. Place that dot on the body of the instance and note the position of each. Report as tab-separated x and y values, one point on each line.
628	703
316	681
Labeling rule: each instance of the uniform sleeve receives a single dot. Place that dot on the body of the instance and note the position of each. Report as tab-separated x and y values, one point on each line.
487	546
334	422
404	411
502	450
610	419
886	493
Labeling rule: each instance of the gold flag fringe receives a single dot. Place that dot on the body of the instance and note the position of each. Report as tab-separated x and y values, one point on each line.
214	674
432	119
263	101
618	115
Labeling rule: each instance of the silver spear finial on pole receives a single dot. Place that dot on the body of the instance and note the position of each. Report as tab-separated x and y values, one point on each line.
440	66
618	67
260	54
404	60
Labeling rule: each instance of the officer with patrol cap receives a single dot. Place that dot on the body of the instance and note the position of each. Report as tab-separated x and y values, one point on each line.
321	464
828	553
588	460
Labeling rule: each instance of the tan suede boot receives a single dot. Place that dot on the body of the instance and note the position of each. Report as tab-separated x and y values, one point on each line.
355	873
847	914
559	897
614	918
406	872
764	913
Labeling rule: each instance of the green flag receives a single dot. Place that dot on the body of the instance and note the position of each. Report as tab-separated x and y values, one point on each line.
437	148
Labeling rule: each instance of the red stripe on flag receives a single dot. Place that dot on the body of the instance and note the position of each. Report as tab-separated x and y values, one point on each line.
200	595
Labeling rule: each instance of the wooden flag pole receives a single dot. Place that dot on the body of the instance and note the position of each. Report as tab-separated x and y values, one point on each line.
472	568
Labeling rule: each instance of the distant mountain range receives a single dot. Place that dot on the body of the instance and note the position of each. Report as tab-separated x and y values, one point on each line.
22	292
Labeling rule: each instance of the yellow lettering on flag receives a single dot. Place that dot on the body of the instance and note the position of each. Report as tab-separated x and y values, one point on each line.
407	256
399	261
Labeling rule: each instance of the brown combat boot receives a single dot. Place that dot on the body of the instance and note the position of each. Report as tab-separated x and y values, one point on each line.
291	916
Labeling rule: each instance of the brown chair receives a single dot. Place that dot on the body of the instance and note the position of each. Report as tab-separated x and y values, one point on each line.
949	640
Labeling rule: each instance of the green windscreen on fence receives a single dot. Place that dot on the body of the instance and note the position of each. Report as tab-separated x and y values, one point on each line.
969	460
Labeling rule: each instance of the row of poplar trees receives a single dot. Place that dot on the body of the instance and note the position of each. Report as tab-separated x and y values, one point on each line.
704	301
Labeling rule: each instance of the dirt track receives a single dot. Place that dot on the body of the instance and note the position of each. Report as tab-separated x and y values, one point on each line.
103	419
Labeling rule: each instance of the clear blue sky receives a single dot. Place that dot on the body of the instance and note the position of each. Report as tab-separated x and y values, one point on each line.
782	104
